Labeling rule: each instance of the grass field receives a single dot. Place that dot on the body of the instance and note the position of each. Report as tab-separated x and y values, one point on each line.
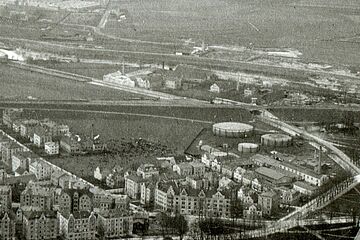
19	84
313	27
176	134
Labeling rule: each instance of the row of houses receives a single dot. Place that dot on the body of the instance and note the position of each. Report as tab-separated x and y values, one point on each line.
54	202
50	135
54	225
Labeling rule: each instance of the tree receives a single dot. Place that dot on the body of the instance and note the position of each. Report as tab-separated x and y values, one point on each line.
165	222
236	209
212	226
181	226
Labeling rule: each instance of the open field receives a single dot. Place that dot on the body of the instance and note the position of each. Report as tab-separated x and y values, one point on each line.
284	24
20	84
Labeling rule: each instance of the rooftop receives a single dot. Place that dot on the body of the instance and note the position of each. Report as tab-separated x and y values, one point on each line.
271	173
305	185
31	215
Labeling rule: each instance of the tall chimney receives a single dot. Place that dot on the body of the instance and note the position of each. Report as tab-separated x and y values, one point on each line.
318	166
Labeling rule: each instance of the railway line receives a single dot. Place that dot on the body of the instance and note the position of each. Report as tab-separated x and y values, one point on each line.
296	218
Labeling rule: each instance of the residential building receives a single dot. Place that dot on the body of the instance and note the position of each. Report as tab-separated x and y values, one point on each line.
198	168
207	158
147	192
252	212
70	144
115	180
101	173
55	129
269	202
173	83
41	136
228	171
7	226
52	148
183	169
142	83
132	186
40	225
115	224
288	196
226	183
41	169
74	200
196	182
66	181
10	115
77	225
16	125
238	173
8	149
5	198
102	201
214	88
27	128
23	160
184	200
37	196
147	170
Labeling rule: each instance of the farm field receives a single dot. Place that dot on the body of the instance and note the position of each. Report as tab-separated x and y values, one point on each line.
21	84
314	31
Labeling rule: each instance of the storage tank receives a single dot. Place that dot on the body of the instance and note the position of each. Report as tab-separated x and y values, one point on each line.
232	129
276	140
248	147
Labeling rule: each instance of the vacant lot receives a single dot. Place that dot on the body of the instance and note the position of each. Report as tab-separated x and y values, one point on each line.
20	84
313	27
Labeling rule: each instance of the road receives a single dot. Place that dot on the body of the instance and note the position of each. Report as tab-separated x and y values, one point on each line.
117	113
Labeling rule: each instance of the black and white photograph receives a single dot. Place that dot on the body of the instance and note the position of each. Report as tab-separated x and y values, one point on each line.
179	119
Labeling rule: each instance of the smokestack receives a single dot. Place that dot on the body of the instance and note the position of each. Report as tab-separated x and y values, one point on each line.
92	132
318	157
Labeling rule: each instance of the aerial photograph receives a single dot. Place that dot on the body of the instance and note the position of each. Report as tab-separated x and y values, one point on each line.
179	119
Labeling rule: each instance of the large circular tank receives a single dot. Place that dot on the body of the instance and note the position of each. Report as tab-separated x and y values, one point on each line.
276	140
248	147
232	129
